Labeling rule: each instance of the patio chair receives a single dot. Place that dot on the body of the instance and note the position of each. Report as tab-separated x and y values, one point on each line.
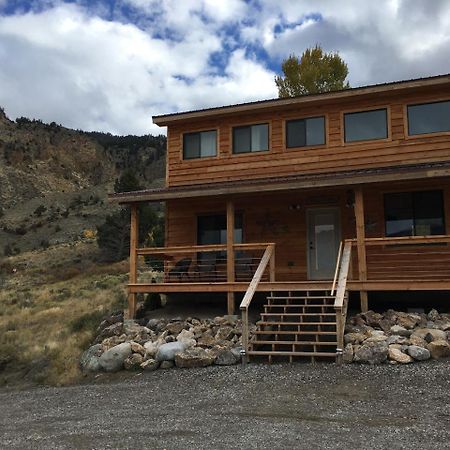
180	269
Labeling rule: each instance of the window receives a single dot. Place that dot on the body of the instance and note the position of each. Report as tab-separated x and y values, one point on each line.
429	118
253	138
200	145
414	213
303	132
365	125
212	229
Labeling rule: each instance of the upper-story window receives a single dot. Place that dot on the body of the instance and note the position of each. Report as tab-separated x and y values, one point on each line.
305	132
365	125
429	118
251	138
202	144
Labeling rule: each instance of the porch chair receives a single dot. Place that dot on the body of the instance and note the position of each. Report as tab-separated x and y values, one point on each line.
180	269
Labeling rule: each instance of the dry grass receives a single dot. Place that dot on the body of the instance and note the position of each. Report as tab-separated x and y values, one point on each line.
47	319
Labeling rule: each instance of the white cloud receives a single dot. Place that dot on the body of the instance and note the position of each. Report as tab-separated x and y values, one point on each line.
86	68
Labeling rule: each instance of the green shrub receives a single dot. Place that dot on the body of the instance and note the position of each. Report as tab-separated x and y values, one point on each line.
87	322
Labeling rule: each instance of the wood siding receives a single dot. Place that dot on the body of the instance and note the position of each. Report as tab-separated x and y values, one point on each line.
274	218
335	155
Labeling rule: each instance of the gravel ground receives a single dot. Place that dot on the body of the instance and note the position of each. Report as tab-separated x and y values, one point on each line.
281	406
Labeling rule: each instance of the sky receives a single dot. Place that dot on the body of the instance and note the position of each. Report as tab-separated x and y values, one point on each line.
109	65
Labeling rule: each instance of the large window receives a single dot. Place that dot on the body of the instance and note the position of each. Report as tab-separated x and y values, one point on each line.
429	118
212	229
303	132
200	145
414	213
365	125
252	138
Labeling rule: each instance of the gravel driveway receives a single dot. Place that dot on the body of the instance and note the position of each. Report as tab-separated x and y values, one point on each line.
280	406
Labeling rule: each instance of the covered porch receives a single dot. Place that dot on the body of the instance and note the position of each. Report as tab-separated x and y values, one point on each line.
289	234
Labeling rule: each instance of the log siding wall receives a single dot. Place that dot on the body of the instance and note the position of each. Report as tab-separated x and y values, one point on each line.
335	155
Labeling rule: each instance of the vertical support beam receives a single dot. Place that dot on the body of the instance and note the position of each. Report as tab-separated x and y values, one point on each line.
134	227
230	254
272	265
361	246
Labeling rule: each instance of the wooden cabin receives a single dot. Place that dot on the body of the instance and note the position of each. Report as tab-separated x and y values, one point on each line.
307	199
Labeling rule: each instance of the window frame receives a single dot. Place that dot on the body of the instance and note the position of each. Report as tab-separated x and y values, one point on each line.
359	110
413	191
249	125
423	135
325	132
183	158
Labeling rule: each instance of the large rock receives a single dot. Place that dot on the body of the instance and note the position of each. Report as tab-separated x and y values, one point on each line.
194	357
150	365
132	327
112	360
175	327
400	331
224	333
152	347
206	340
439	349
433	315
187	338
90	359
408	321
347	356
226	357
133	362
417	341
372	353
354	338
397	355
430	334
116	329
418	353
137	348
167	352
372	318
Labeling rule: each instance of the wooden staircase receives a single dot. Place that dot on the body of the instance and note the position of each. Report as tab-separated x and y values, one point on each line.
301	324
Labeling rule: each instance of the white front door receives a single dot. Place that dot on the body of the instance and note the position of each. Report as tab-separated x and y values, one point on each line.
323	238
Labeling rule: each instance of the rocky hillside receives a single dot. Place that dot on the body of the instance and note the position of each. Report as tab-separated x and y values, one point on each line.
54	180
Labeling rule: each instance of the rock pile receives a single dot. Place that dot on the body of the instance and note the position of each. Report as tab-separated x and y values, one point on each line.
164	343
396	337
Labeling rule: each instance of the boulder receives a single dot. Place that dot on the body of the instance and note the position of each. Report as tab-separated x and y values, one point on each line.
226	357
113	341
354	338
347	356
418	353
372	318
206	340
90	359
137	348
224	333
133	362
395	339
439	349
152	347
187	338
131	327
372	353
408	321
170	338
152	324
194	357
150	365
397	355
417	341
175	327
400	331
430	334
167	352
112	360
116	329
433	315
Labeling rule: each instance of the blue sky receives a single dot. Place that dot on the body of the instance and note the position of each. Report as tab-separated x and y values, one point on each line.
111	64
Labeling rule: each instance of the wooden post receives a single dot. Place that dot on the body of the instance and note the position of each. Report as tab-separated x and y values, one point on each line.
361	246
134	229
272	266
230	255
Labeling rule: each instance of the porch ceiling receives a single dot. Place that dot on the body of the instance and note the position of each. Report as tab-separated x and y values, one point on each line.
295	182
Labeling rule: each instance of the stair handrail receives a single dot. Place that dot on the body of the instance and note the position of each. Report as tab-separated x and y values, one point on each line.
248	297
336	271
341	300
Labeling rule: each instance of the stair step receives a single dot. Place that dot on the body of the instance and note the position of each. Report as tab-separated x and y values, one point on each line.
295	323
302	297
298	314
290	305
289	353
313	332
268	342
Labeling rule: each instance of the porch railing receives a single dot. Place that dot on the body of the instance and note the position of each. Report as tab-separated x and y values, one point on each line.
407	258
341	299
268	259
197	263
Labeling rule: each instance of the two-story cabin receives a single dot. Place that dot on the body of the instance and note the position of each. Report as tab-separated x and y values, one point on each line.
306	198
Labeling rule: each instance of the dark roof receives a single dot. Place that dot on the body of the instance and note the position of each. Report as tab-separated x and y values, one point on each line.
272	184
414	82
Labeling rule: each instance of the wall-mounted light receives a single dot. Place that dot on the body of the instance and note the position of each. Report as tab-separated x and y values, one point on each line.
295	207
